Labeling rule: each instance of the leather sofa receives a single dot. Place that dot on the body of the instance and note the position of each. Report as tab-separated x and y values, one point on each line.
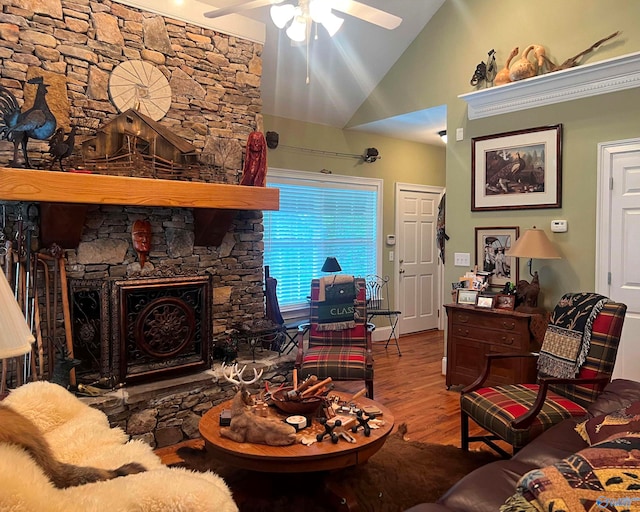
488	487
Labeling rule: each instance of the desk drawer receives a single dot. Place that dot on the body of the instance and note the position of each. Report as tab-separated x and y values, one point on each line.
491	336
507	323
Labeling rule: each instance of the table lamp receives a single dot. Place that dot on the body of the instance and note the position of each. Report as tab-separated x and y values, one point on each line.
15	335
533	244
331	265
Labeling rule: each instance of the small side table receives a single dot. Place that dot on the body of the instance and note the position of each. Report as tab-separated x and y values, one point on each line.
269	337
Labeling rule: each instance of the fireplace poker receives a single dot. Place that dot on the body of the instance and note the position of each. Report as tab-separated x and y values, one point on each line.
47	298
19	246
28	358
67	315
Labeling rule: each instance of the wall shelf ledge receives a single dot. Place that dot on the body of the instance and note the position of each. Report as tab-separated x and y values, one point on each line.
611	75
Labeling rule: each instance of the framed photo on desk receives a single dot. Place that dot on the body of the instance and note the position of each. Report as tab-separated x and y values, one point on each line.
468	297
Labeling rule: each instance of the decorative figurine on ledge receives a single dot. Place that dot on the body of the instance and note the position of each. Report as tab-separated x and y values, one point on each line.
141	237
485	72
61	147
255	163
18	127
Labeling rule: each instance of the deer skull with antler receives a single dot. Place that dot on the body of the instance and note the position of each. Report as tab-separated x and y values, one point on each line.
234	372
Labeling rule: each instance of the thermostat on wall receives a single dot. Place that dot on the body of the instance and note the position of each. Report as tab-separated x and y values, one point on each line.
559	226
391	239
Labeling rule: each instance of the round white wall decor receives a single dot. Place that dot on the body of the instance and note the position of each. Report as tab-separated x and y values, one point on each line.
141	86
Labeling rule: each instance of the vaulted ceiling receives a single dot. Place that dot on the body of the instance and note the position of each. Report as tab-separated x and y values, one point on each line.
342	70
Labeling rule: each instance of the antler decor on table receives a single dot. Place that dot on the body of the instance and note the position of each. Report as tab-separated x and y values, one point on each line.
234	372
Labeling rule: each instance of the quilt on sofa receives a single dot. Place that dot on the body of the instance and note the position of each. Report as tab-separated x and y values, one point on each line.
81	435
602	477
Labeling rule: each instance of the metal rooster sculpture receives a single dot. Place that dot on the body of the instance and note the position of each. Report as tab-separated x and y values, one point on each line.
61	147
18	127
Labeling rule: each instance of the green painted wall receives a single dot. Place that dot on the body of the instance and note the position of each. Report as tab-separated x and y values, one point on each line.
437	67
402	161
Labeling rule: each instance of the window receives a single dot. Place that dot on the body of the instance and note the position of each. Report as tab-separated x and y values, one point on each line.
320	215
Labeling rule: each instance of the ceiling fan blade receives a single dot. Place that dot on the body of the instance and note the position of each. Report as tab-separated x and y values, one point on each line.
368	13
239	7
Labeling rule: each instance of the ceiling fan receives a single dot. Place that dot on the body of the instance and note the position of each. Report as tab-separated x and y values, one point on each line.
282	11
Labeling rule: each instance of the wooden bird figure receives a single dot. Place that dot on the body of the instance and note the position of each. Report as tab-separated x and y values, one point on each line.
61	147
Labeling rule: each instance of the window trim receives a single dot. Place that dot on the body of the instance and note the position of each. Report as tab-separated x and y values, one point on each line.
298	177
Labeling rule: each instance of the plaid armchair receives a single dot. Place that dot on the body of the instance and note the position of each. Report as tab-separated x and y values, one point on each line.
518	413
339	344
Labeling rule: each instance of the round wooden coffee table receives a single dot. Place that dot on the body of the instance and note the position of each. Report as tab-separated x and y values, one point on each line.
320	456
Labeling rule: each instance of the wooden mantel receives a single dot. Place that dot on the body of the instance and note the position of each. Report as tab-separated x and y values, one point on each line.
69	187
215	203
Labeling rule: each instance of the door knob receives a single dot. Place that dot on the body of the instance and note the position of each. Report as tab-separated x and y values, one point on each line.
401	271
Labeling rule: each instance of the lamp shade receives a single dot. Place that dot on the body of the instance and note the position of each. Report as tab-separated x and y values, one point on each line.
15	335
332	23
297	31
534	244
331	265
281	14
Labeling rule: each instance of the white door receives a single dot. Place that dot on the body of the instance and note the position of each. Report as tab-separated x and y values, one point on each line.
417	257
618	243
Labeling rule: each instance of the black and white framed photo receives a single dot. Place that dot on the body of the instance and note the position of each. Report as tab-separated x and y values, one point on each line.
517	170
492	245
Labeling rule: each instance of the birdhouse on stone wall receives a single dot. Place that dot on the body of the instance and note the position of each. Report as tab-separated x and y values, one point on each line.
135	138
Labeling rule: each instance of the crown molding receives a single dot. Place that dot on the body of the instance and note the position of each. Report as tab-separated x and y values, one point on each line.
193	12
611	75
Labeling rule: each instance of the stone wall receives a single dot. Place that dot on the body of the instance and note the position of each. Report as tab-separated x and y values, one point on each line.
75	44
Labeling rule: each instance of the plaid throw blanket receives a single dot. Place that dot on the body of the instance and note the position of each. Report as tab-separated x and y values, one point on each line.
567	340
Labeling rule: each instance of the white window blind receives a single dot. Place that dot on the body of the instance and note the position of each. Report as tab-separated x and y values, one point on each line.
320	216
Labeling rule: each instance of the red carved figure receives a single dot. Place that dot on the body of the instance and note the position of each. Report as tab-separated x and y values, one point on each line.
255	163
141	237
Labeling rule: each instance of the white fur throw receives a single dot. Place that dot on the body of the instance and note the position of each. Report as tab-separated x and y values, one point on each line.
79	434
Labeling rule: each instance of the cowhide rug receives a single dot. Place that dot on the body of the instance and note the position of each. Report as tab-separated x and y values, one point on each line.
402	474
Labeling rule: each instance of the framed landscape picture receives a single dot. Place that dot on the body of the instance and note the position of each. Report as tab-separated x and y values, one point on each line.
467	297
492	245
517	170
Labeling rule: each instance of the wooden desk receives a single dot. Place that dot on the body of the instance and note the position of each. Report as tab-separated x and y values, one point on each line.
320	456
473	332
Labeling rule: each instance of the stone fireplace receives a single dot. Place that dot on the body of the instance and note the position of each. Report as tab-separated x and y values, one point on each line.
215	104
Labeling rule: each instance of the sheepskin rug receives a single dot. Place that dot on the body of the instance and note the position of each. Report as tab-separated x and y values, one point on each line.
79	434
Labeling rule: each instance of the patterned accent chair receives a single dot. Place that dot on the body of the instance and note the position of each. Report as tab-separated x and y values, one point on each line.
518	413
339	353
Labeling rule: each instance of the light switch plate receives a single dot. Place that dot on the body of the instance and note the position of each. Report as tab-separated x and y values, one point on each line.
462	259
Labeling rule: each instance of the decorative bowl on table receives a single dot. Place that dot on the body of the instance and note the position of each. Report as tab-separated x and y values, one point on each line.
305	407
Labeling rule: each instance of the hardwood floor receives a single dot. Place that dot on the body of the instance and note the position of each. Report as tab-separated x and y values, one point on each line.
413	387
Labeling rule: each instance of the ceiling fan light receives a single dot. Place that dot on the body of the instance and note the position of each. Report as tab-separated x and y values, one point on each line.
332	23
319	10
281	14
297	31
